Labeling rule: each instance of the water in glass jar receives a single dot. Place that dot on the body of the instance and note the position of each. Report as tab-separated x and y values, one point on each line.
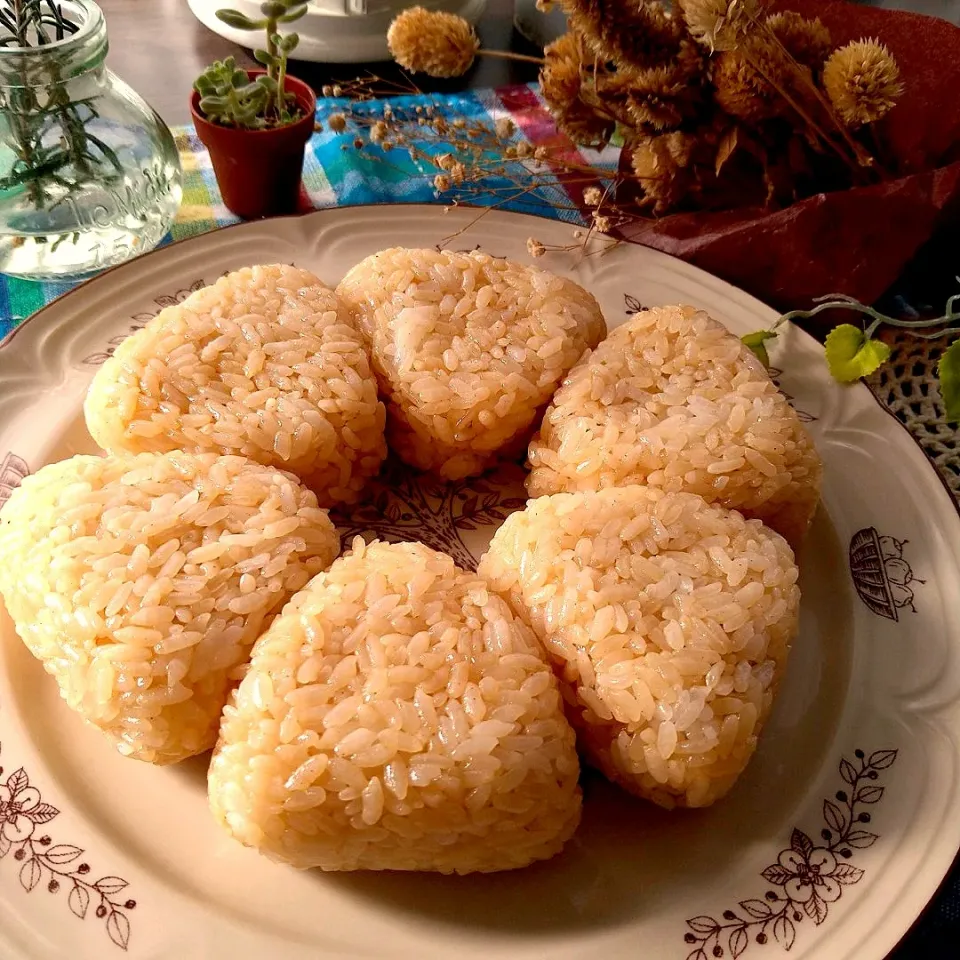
78	233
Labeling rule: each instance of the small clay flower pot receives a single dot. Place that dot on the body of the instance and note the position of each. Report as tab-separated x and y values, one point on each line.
259	171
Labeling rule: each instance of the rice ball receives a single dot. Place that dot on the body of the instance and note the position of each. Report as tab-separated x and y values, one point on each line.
397	716
141	583
468	349
669	621
672	399
265	363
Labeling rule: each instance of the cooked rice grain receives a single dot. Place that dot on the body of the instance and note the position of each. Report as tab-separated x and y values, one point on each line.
468	349
266	364
671	399
397	717
142	582
669	620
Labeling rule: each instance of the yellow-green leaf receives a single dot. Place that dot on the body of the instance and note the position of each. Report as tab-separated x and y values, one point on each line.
850	355
756	343
949	370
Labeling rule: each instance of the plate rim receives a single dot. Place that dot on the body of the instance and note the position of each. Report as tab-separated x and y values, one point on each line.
206	236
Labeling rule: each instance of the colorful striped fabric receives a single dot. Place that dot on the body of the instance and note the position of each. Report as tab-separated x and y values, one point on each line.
335	174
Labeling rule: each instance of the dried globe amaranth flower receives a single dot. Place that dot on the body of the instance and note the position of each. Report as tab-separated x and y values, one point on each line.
638	33
719	24
807	41
438	44
561	82
741	80
862	81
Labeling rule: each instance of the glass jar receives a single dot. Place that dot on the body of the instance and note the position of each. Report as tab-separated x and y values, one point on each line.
89	174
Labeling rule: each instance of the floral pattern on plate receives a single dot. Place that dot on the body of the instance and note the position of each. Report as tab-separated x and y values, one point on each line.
54	866
807	877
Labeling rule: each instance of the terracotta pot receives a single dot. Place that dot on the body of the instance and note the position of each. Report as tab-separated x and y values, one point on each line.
258	171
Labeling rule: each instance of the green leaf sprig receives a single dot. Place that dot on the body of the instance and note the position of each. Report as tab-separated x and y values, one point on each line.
50	132
229	97
852	352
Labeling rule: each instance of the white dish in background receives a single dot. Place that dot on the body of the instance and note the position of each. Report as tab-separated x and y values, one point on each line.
333	31
870	672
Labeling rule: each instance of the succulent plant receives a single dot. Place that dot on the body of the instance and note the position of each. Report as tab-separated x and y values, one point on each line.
227	94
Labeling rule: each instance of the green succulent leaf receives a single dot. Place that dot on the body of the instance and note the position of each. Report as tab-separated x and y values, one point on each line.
756	342
248	90
851	355
295	14
264	57
212	105
289	42
238	20
949	372
273	9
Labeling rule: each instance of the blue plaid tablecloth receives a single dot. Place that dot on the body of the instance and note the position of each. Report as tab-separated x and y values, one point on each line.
335	175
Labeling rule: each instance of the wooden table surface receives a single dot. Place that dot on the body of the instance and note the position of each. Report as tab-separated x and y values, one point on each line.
159	48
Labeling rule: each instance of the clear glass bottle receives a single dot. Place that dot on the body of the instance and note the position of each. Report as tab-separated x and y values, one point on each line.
89	174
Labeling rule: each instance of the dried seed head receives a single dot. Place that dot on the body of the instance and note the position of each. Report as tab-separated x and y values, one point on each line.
744	91
441	182
504	127
862	81
592	196
561	83
326	90
601	223
378	132
660	166
637	33
719	24
438	44
337	122
445	161
660	98
807	41
535	248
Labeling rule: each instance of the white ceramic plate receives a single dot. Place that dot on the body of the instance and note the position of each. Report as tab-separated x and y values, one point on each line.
828	848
